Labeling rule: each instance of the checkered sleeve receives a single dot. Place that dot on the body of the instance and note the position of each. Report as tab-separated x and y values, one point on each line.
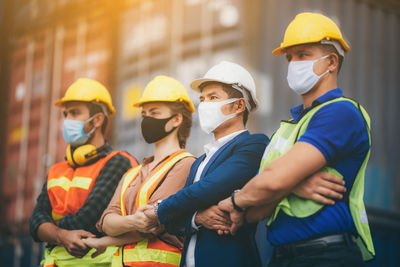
41	213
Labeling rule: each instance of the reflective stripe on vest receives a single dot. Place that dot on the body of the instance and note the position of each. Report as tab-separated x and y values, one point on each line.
152	252
68	188
283	140
65	183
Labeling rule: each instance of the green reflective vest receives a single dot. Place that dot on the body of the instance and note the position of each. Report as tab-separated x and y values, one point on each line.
283	140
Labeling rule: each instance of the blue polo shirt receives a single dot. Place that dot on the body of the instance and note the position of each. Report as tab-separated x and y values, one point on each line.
339	132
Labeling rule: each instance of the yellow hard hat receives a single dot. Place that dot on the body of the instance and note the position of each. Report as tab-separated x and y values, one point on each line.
165	89
310	28
87	90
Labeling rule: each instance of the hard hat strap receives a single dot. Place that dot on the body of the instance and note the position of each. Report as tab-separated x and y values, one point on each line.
336	44
102	106
245	94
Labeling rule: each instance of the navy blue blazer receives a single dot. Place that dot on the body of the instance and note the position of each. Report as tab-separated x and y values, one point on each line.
230	168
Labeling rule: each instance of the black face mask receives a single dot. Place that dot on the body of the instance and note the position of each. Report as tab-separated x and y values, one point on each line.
153	129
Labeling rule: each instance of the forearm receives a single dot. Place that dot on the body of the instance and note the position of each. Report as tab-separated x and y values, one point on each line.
255	214
257	193
50	233
208	191
126	238
115	225
280	177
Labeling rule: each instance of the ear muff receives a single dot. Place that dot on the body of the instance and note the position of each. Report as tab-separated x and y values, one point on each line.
81	155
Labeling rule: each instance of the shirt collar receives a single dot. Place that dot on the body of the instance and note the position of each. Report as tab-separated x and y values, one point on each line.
148	160
298	112
217	144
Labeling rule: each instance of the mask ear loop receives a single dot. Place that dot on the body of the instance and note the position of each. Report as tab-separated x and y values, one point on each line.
93	129
327	71
245	94
173	129
229	101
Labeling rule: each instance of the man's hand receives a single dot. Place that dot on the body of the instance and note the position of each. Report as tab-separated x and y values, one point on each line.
72	241
236	217
97	244
321	187
145	220
213	218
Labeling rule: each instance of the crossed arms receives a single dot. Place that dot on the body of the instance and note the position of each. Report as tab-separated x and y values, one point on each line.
292	173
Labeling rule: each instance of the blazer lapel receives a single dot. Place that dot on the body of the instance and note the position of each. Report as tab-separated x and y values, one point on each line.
193	170
220	150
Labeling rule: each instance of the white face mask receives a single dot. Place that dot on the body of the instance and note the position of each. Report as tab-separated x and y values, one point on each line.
211	116
301	76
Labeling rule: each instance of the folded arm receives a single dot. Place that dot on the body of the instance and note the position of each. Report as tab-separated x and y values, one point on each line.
275	182
116	225
232	174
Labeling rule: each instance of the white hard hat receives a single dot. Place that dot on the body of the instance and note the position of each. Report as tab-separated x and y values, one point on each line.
234	75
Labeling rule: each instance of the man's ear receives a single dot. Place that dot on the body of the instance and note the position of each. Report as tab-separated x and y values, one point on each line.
240	105
333	62
98	120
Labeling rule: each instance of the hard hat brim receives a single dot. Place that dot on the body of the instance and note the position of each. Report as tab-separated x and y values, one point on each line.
60	104
282	49
195	85
279	51
140	103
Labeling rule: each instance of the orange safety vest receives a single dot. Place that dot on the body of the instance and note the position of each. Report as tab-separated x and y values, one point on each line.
68	188
148	252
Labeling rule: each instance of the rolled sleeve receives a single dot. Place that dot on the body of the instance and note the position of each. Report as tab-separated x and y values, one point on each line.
336	130
114	207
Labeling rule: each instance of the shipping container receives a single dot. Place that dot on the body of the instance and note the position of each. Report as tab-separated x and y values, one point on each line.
43	64
40	77
183	39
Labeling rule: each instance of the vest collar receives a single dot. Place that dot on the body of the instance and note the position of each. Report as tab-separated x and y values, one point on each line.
298	112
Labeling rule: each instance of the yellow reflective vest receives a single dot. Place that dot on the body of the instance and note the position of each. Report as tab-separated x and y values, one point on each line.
68	188
148	252
283	140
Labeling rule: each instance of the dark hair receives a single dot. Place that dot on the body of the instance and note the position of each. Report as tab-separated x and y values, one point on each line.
94	109
232	93
184	128
327	48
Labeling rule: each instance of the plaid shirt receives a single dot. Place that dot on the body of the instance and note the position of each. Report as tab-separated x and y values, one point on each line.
87	216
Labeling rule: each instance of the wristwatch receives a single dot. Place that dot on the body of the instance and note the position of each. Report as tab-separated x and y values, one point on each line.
156	207
235	206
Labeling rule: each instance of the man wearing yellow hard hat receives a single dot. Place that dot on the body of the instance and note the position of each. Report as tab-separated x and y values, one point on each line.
77	190
327	132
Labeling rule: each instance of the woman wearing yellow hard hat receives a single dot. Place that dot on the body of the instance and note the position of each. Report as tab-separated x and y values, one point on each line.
166	122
